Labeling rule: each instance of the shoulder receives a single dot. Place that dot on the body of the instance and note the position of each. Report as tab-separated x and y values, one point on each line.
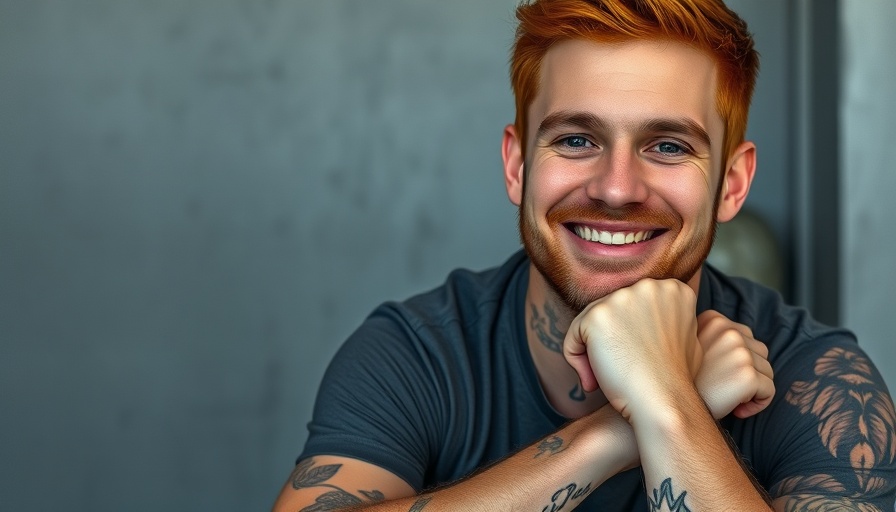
467	305
836	427
830	432
435	335
394	391
464	296
788	331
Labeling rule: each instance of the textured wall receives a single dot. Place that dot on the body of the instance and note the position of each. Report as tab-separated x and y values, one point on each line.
868	125
200	200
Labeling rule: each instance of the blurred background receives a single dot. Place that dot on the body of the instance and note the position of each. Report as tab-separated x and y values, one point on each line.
199	201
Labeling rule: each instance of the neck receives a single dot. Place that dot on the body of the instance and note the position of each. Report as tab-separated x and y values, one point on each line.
547	320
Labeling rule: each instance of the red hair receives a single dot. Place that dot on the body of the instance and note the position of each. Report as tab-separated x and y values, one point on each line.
707	25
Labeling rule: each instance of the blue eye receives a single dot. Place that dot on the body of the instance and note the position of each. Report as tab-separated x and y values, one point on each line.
669	148
575	141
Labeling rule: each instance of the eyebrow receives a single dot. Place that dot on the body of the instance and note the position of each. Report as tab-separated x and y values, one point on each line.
682	125
593	123
566	118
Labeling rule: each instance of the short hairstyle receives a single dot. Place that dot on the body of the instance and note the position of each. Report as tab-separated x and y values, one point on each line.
707	25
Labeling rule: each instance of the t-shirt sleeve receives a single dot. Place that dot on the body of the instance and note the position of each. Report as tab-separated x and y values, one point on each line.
831	431
379	400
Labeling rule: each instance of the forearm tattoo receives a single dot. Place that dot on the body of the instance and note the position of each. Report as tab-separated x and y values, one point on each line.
545	328
420	503
664	499
553	444
307	475
566	495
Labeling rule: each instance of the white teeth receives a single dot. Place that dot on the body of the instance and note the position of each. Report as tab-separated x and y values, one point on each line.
608	238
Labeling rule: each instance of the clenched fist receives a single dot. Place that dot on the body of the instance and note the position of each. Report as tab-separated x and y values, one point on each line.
642	343
639	344
735	374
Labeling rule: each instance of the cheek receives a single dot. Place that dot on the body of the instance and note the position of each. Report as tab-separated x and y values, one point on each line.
690	194
552	179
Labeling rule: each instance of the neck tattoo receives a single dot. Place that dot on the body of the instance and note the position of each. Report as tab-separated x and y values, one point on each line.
545	327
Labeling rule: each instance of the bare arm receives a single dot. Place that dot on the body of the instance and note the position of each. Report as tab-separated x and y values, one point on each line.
681	438
687	461
556	472
335	483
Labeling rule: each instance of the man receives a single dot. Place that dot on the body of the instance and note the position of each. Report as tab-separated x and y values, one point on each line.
592	369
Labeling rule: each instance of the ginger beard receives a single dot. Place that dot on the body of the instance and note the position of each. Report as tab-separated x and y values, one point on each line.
558	268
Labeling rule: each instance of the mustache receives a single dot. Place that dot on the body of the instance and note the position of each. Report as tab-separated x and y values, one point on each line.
596	212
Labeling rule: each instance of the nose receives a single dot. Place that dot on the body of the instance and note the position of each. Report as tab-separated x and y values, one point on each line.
618	179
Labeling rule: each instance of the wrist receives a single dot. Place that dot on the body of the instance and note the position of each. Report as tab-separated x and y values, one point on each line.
657	397
613	440
668	414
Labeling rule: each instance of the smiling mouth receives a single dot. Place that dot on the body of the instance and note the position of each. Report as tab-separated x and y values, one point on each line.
611	237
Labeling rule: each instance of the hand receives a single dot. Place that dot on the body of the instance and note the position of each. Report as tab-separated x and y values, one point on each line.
639	344
735	374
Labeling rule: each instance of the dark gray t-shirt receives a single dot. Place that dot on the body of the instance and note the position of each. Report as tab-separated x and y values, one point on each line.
443	384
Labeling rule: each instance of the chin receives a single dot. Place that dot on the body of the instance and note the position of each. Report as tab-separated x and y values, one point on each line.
571	282
577	297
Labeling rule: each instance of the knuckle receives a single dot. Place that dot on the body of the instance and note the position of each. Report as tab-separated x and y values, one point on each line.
595	310
744	358
718	321
733	338
713	316
598	315
747	375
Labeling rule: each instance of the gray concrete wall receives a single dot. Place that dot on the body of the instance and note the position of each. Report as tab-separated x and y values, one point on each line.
200	200
868	125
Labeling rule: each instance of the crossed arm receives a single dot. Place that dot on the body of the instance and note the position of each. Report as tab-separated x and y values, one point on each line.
665	423
557	472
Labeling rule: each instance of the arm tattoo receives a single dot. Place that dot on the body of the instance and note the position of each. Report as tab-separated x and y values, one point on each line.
856	424
564	495
664	496
307	475
553	444
420	503
546	328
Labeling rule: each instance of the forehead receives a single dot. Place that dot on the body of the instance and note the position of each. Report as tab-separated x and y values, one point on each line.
629	82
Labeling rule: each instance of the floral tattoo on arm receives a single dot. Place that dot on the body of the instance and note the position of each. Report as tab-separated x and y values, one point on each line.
856	425
307	475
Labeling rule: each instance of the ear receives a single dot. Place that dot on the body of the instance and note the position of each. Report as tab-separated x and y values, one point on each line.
511	152
736	183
